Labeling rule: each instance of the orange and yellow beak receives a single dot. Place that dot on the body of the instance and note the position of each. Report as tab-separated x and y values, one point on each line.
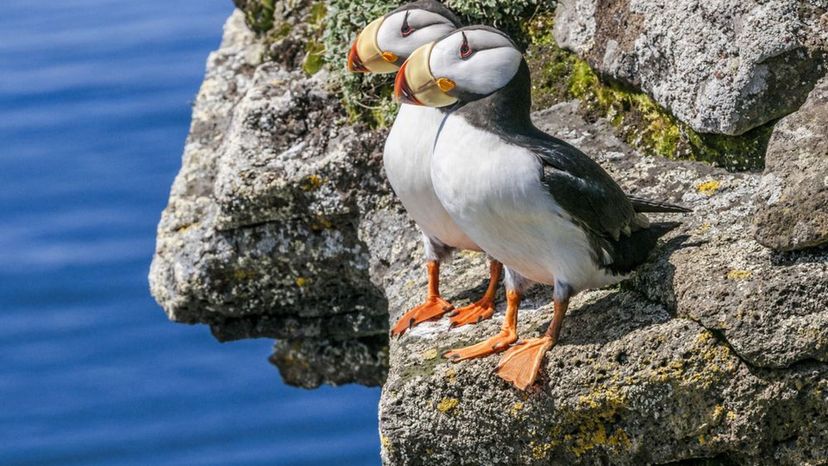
416	85
355	64
365	55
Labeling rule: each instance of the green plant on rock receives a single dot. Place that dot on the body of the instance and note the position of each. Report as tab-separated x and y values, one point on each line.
559	75
314	48
257	13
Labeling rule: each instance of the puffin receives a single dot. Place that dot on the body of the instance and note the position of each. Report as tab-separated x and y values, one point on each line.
381	47
535	203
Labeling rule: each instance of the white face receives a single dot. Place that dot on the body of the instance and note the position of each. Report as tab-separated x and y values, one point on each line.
404	31
478	61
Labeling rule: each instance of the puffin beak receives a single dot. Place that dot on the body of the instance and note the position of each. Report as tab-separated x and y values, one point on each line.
416	85
355	64
402	91
365	55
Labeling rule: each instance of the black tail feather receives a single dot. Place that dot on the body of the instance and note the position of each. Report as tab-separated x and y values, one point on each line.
631	251
642	205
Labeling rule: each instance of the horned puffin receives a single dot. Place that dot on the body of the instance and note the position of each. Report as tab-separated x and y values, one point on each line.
542	207
382	47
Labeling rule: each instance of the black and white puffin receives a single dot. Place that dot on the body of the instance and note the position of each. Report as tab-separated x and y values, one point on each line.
543	208
381	48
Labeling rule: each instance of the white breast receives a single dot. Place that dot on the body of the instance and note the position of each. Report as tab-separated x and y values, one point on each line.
407	160
493	190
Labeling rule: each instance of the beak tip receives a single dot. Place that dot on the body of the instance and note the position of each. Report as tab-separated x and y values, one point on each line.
402	91
355	64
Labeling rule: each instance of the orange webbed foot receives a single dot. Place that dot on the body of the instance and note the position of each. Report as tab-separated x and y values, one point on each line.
495	344
521	364
473	313
433	308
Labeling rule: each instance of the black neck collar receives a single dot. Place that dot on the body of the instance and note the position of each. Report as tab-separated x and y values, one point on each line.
506	111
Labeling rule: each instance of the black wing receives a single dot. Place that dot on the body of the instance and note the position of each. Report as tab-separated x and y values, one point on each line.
582	188
643	205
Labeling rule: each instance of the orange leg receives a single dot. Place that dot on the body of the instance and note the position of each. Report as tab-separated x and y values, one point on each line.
433	307
484	308
521	364
497	343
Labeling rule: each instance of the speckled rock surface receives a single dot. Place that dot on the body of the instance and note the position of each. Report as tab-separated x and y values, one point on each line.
716	349
260	238
792	201
721	66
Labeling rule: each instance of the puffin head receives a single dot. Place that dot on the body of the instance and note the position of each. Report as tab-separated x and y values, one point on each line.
387	42
464	65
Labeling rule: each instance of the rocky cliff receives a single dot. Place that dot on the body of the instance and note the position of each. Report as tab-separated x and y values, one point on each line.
281	225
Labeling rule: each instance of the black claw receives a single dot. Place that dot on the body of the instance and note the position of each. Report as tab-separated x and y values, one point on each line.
479	319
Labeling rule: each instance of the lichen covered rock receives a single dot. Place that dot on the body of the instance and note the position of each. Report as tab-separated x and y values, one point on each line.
260	238
792	201
720	66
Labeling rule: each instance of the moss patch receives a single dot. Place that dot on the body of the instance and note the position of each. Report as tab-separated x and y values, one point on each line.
559	75
258	14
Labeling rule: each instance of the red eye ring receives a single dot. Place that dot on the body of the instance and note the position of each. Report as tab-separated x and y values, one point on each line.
406	30
465	50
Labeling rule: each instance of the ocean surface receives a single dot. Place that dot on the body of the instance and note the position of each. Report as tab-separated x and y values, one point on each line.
95	100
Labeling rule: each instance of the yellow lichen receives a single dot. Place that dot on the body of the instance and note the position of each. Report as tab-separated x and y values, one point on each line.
451	375
320	222
704	228
599	410
183	228
737	274
429	354
310	183
708	188
540	450
517	407
447	404
243	274
302	281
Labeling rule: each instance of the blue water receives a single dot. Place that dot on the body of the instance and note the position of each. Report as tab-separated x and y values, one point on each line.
95	102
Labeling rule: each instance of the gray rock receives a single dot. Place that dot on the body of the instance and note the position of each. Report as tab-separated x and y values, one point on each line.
792	203
720	66
716	348
260	237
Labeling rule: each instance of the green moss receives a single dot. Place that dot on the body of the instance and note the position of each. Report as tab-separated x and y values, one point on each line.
314	48
258	14
559	76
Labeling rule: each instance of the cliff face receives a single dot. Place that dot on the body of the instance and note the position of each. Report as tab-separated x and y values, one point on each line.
281	225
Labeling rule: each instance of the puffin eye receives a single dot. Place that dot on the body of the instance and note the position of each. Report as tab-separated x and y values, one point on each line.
465	50
406	29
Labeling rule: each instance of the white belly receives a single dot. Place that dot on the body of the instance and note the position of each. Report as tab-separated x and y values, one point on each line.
493	191
407	160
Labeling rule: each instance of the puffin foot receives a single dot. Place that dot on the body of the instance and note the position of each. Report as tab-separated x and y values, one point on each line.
521	364
433	308
495	344
473	313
